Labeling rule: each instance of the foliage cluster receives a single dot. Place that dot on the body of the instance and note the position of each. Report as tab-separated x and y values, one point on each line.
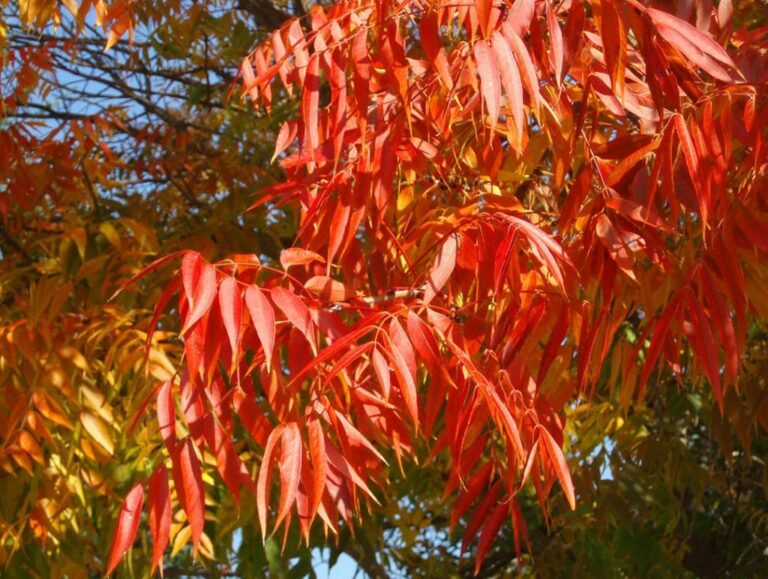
496	247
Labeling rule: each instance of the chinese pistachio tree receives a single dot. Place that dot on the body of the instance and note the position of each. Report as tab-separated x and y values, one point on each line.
509	247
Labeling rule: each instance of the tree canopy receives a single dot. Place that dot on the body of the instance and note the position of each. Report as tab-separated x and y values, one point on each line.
452	288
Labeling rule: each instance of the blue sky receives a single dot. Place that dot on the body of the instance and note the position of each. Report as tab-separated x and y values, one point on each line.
345	567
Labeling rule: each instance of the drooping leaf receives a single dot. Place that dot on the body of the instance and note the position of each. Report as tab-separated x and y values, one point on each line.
263	319
159	519
291	454
127	526
188	482
445	262
557	460
490	84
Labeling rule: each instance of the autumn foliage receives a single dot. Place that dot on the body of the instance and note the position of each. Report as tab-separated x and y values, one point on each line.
486	196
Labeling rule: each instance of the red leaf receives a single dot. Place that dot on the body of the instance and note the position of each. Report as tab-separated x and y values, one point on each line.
660	331
636	212
265	477
499	410
614	38
724	324
127	525
355	438
555	43
383	372
491	529
402	344
510	80
490	86
251	416
471	491
310	101
338	81
199	280
345	468
407	384
696	46
159	502
576	195
708	349
339	224
227	462
166	415
291	453
501	413
319	464
423	341
445	262
520	16
295	311
433	46
480	515
231	305
263	318
694	169
613	241
524	63
339	344
188	480
249	80
546	246
285	137
557	460
192	406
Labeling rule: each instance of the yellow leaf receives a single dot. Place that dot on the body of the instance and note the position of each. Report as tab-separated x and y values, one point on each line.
96	401
404	198
206	546
71	354
98	430
110	232
181	539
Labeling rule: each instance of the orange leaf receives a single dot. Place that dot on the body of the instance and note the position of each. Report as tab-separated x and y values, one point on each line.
490	85
298	256
445	262
614	37
696	46
557	460
555	43
327	288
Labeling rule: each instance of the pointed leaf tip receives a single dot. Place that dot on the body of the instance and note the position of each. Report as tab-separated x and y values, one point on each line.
127	525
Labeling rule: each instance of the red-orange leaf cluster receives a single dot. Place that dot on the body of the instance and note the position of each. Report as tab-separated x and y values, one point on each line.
487	194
